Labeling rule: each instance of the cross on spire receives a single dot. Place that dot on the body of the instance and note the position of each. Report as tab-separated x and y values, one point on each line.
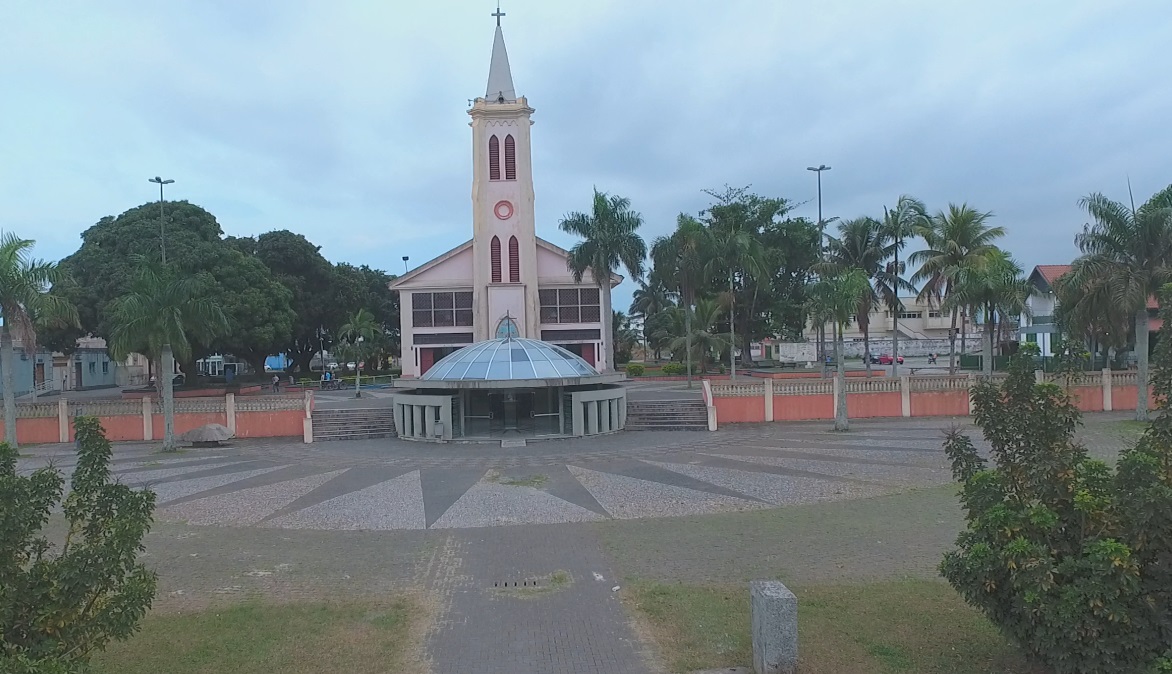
498	14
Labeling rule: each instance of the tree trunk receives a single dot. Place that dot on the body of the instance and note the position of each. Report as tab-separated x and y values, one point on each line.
866	328
964	333
8	363
166	384
987	355
301	359
952	345
895	332
841	423
607	324
732	322
688	341
1141	356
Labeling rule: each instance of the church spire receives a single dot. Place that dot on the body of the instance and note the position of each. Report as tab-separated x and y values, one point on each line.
500	77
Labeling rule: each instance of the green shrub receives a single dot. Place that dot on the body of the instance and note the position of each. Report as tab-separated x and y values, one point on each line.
59	604
1070	561
635	369
672	369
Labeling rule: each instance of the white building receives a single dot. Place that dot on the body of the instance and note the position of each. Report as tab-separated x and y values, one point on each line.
505	280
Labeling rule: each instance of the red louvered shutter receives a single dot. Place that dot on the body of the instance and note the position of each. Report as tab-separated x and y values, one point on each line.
514	260
494	159
495	251
510	158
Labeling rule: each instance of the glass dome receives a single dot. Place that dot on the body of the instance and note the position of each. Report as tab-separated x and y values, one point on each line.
509	359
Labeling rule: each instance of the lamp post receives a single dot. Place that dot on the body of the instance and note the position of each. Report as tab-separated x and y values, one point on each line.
821	251
162	226
405	258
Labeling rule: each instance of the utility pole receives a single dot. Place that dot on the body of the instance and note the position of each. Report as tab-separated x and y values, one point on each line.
898	306
162	222
405	258
821	251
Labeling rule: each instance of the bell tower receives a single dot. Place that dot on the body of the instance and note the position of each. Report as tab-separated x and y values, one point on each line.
504	237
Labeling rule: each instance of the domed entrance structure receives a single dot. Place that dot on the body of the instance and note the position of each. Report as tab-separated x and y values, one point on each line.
507	388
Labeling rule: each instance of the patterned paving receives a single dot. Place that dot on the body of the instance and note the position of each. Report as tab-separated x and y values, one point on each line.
389	484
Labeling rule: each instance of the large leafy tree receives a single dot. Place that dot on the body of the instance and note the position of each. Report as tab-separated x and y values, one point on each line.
610	240
705	340
679	265
365	288
835	299
25	301
956	239
997	288
160	317
1129	251
103	270
648	300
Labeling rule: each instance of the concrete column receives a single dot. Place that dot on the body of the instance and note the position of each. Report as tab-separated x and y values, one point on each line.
905	395
775	627
446	420
767	389
63	420
307	430
428	421
148	422
416	420
591	417
1039	377
308	393
577	416
1108	393
972	383
230	412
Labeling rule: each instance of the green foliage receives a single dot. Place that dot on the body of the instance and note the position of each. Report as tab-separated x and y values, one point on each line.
673	369
635	369
60	604
623	337
1071	562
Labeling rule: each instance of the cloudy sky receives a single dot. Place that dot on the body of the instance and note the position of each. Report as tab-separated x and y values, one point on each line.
346	121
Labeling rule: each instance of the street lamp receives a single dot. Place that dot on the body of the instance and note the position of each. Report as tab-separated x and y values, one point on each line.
162	230
405	258
821	250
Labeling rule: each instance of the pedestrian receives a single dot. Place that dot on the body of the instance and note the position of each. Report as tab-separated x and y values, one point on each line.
276	383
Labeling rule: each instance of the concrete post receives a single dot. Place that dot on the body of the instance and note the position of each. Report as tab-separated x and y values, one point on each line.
230	411
63	420
307	430
767	387
905	395
308	394
1108	394
148	419
775	627
1039	377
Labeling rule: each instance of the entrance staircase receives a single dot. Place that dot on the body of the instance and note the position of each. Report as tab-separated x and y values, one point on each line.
353	424
666	415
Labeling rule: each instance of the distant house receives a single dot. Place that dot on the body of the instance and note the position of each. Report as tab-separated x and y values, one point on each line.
89	366
917	320
1039	326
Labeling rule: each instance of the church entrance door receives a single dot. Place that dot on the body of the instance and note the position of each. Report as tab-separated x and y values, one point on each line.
512	412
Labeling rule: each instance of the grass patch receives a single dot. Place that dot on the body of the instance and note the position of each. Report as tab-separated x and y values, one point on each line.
545	585
535	481
257	638
874	628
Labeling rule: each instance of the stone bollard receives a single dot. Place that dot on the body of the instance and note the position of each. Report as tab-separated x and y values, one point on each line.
775	627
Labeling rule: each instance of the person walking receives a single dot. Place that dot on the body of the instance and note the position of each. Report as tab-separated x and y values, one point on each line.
276	383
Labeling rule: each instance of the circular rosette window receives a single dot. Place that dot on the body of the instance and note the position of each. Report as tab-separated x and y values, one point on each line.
503	210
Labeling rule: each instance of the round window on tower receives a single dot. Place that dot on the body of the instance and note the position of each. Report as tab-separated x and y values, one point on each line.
503	210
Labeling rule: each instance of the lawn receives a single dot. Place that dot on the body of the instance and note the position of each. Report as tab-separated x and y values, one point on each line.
261	638
873	628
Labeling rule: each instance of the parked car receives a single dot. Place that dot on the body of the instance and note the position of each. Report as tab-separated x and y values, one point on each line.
885	359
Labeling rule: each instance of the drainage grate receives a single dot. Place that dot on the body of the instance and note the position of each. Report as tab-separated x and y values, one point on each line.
531	582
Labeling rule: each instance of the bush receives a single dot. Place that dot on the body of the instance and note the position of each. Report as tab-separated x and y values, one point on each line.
672	369
1071	562
635	369
60	604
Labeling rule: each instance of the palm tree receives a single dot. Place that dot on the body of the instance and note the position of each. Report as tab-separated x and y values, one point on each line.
834	299
25	300
956	239
704	339
610	240
862	244
997	288
358	335
737	251
648	300
156	318
1085	308
909	216
1129	250
680	260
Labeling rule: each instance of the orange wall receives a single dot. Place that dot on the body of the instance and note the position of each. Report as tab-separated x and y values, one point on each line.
35	431
740	409
867	405
940	403
798	408
1090	398
1123	397
119	428
281	424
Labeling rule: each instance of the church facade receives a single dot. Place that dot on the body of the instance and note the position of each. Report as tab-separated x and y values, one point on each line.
505	280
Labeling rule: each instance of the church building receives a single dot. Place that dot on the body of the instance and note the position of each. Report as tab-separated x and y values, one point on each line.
505	281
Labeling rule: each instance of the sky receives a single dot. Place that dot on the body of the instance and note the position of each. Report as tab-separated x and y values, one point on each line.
347	122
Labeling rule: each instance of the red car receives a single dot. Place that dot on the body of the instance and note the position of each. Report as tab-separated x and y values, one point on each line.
885	359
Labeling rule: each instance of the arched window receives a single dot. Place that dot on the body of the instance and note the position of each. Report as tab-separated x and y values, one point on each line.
510	158
495	251
494	159
514	261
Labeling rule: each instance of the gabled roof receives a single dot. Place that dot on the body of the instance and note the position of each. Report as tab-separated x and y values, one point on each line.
1044	276
430	264
615	279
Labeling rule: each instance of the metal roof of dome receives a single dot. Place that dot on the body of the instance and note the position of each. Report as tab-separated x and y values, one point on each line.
509	359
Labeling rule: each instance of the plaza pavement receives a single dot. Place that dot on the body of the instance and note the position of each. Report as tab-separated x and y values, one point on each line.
457	523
